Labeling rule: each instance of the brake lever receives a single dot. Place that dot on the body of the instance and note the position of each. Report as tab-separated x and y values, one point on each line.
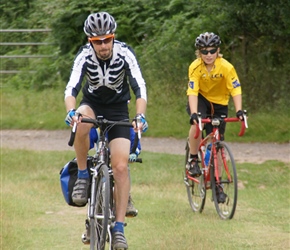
199	121
245	118
74	128
138	121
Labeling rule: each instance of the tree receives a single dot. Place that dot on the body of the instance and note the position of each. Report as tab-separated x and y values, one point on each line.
255	38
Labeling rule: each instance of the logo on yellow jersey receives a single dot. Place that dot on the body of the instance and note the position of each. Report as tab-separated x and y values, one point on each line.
217	76
191	84
236	84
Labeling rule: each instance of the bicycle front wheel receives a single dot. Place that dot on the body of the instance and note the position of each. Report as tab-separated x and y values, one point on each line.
100	218
225	191
195	187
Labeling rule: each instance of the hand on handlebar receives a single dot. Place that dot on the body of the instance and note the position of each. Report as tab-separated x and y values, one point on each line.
140	123
69	117
133	157
72	117
193	119
240	115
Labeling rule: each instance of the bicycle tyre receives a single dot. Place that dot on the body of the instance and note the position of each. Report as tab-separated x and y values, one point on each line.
99	222
196	192
225	205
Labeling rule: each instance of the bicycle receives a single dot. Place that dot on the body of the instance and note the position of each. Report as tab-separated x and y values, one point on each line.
218	174
100	215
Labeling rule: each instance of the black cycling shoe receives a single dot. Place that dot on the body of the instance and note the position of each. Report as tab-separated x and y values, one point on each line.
193	168
221	196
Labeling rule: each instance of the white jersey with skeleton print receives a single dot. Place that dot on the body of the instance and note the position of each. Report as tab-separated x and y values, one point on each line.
106	82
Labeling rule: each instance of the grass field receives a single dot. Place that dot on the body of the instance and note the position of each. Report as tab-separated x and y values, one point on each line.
35	216
28	109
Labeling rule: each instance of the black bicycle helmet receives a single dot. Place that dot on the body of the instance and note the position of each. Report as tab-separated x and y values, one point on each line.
207	39
99	24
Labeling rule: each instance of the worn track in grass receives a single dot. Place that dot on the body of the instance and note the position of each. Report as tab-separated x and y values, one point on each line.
57	140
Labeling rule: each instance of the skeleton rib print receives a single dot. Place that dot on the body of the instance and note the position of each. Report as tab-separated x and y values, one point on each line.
113	75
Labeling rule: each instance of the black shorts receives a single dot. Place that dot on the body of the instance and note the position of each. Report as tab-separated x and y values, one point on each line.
113	112
208	109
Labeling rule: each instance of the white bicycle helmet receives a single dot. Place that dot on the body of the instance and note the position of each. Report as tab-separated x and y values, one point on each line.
207	39
99	24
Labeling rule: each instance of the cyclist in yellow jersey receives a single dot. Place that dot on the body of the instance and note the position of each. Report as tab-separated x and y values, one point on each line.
212	80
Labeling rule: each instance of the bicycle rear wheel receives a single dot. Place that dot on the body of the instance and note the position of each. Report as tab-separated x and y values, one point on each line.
225	194
195	187
99	221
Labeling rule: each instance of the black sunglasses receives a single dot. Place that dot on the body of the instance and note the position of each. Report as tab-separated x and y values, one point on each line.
205	52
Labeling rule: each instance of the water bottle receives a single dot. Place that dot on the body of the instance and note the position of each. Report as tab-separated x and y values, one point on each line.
207	154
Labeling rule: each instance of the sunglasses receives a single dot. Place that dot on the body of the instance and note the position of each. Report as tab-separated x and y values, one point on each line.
205	52
100	41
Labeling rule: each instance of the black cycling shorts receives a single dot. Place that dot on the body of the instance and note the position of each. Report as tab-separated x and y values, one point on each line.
113	112
208	109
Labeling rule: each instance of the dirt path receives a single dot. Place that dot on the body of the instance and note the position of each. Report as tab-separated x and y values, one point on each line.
57	140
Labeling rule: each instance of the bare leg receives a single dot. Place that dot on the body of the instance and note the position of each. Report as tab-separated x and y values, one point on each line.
194	143
82	140
120	148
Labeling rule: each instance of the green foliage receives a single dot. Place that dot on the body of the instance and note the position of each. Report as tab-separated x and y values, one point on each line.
32	109
254	39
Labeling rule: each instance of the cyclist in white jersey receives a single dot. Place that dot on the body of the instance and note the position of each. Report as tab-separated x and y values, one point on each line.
110	68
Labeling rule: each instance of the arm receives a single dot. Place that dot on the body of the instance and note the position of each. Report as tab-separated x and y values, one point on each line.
141	106
74	85
140	116
236	92
238	106
192	100
193	88
136	80
70	103
138	86
237	102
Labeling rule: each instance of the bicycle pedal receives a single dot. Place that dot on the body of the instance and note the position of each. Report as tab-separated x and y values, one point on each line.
185	180
85	240
131	215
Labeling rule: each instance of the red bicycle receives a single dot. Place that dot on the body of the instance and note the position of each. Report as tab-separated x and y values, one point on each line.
218	170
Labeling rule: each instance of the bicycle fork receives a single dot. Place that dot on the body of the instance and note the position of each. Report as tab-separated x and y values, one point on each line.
90	212
92	201
111	223
221	163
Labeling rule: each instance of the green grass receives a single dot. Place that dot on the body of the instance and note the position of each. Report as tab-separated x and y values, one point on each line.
35	216
25	109
28	109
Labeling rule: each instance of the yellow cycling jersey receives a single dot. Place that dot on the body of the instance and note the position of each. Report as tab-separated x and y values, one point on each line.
217	85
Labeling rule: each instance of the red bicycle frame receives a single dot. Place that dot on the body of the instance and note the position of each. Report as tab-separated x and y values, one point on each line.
215	136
